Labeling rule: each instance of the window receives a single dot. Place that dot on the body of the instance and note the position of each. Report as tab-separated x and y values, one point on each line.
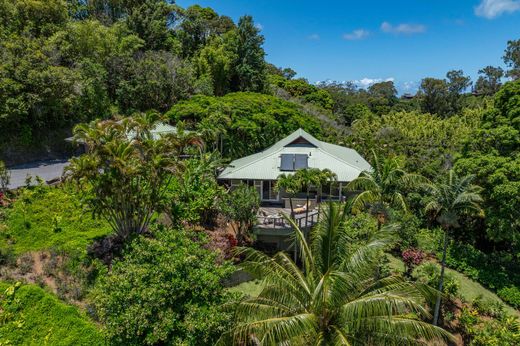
301	161
287	163
292	162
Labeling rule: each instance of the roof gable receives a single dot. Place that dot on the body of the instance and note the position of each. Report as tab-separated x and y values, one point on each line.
266	165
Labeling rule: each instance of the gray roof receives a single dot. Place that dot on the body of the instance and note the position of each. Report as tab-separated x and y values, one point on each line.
265	165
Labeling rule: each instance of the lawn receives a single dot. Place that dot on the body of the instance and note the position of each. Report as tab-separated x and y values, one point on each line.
469	289
250	288
33	316
49	218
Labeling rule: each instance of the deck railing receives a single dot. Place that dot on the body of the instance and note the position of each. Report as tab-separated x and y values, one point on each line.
280	222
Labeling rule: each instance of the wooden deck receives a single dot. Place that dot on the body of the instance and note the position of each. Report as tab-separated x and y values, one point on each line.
273	218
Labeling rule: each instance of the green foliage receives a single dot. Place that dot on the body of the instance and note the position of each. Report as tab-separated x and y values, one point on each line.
31	316
443	96
478	265
125	172
511	295
335	296
301	89
241	124
428	142
248	64
383	187
69	61
195	193
240	207
156	80
502	331
512	58
165	290
37	212
489	81
429	273
492	154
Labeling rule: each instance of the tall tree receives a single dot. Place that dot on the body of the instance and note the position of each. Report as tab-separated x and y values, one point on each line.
152	20
249	65
434	95
384	90
334	297
488	83
198	25
457	84
512	58
449	201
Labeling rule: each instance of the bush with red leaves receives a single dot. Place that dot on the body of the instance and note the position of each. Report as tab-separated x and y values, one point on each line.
412	258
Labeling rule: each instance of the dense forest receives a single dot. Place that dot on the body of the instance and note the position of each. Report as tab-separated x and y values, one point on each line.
100	241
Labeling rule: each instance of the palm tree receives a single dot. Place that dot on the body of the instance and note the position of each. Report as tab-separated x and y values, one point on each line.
290	184
334	299
448	202
382	187
326	176
307	178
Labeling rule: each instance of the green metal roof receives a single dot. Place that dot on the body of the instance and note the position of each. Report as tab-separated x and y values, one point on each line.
265	165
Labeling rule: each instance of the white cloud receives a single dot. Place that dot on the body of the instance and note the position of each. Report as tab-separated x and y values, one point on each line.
356	35
259	26
403	28
313	37
493	8
366	82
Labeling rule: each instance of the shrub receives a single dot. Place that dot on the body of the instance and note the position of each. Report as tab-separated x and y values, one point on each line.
411	259
511	295
503	332
488	307
165	290
429	273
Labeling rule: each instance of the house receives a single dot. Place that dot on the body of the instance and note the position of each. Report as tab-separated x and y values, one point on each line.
299	150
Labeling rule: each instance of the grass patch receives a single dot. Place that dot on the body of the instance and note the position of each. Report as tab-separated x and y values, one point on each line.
250	288
469	289
32	316
43	218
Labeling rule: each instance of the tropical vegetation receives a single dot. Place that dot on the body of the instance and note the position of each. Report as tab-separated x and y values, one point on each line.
137	244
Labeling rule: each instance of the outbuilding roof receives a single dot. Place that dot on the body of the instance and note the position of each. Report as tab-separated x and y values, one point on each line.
265	165
157	132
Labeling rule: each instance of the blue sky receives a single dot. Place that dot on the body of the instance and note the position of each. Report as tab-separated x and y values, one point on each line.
369	40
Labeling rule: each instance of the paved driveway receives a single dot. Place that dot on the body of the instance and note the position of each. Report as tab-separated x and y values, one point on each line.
47	170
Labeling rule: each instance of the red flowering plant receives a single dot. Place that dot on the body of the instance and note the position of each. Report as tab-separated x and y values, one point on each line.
412	258
4	202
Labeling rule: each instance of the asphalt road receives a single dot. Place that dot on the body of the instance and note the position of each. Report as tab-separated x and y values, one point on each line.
47	170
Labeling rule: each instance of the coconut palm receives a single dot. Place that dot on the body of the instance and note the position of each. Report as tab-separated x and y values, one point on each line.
382	187
450	200
334	298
